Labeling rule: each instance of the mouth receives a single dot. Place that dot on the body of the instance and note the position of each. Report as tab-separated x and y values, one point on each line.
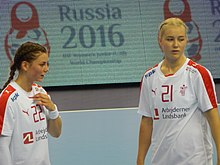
175	51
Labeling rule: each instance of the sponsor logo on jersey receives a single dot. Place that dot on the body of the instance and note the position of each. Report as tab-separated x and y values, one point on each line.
15	97
190	69
28	137
156	114
39	89
150	73
174	112
41	134
183	90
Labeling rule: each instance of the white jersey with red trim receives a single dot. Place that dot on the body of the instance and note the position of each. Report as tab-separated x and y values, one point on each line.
26	123
181	134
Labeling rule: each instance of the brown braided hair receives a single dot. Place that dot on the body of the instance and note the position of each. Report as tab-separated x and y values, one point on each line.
26	52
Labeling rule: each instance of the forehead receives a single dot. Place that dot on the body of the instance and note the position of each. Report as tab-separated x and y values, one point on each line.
41	57
173	30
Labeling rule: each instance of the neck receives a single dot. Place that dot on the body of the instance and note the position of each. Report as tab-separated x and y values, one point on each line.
171	67
24	84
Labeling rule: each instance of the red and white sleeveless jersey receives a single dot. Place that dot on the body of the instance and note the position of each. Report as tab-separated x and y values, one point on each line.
181	134
26	123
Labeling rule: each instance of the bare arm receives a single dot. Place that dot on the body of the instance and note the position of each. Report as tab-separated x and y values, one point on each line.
214	122
54	124
5	156
54	127
145	133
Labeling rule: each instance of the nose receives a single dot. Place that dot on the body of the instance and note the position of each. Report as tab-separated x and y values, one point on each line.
46	68
175	43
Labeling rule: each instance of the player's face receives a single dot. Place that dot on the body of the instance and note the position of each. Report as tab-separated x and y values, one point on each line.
38	68
173	42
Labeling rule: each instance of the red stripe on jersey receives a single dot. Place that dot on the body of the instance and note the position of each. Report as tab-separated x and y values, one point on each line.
3	101
207	82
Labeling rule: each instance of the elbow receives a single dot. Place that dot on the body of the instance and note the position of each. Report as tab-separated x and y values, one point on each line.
56	134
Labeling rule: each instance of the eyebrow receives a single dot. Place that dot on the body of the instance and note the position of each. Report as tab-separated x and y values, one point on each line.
178	36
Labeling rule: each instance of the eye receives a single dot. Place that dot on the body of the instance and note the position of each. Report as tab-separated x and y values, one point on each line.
169	39
44	64
181	39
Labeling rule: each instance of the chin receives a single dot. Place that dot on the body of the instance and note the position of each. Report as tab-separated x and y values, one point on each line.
39	80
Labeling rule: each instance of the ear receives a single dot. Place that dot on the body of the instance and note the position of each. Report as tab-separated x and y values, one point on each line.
25	65
159	43
159	40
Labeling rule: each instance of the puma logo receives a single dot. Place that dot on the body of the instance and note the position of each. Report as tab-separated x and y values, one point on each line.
26	112
154	91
